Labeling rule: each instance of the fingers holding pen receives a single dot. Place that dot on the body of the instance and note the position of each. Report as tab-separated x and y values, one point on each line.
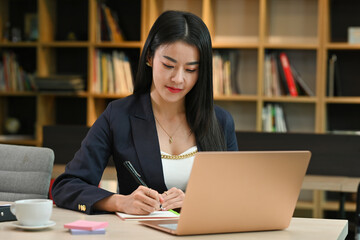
146	200
154	197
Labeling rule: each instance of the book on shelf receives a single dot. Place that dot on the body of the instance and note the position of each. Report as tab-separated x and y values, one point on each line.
268	78
128	74
119	72
12	76
275	79
334	85
60	83
225	70
217	74
301	83
281	73
108	24
96	73
110	70
104	73
273	118
113	73
331	75
103	33
288	74
275	83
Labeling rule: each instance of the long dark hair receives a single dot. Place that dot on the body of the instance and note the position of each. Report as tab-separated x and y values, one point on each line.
172	26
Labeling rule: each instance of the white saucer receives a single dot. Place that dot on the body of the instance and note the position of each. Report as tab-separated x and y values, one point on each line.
46	225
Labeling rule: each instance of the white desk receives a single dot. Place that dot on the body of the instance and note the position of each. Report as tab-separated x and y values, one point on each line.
299	229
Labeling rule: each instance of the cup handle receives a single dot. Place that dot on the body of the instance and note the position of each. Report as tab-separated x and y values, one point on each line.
12	209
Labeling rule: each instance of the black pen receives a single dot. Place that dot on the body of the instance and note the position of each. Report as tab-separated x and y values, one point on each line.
134	173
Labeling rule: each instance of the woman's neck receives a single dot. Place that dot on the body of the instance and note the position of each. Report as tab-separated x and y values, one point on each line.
166	110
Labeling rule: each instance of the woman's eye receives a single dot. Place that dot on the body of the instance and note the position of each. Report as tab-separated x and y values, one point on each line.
191	70
167	66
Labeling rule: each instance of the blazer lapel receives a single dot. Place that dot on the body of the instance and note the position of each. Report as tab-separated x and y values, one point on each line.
147	144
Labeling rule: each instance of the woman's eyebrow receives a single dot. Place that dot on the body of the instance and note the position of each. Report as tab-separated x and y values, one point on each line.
174	61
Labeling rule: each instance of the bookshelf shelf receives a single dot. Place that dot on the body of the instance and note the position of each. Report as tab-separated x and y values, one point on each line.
298	46
109	96
350	100
18	44
16	93
224	45
81	94
125	44
343	46
289	99
19	141
65	44
235	98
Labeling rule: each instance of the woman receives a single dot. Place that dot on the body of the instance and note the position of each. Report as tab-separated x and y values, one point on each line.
158	129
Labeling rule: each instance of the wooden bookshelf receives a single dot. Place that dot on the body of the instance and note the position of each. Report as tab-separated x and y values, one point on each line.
301	28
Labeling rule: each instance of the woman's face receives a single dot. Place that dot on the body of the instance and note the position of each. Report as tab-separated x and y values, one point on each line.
175	71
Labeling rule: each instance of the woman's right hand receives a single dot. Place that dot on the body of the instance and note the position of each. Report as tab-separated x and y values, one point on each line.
142	201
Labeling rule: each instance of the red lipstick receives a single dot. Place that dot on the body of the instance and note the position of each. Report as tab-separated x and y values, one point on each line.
174	90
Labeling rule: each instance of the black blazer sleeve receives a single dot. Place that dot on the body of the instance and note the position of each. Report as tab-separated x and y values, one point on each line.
77	188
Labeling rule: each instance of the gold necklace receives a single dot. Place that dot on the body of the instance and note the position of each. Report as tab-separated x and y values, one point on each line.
177	157
170	137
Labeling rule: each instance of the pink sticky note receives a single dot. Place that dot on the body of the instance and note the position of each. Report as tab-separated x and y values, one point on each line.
86	225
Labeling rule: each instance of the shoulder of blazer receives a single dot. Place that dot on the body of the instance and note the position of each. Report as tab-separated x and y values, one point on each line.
222	115
138	105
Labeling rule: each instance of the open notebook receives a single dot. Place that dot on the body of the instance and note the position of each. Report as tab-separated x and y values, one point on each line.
239	191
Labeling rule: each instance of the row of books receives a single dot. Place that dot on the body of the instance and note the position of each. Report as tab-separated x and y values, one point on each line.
107	24
273	118
281	78
12	76
225	68
113	73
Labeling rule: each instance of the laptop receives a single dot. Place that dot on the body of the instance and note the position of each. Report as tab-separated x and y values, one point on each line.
239	192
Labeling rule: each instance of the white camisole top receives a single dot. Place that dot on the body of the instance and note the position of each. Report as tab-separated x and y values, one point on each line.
177	168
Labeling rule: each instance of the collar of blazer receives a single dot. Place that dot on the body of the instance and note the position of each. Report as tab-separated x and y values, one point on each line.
146	143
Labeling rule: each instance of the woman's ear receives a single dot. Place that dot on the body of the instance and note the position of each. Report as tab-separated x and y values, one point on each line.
149	61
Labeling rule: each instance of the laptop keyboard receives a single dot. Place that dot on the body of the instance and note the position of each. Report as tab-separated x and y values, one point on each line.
172	226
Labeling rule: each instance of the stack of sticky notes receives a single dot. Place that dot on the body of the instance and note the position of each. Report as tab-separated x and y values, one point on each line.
86	227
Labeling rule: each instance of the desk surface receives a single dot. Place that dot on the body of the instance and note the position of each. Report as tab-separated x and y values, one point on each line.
300	228
331	183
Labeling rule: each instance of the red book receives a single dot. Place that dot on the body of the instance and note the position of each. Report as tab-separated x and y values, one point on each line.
86	225
288	74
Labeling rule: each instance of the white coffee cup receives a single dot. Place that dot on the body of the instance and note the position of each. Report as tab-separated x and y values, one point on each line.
32	212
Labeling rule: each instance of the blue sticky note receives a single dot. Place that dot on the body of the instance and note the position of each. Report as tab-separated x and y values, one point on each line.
84	232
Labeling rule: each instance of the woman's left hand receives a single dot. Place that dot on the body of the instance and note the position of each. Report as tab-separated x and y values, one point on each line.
173	198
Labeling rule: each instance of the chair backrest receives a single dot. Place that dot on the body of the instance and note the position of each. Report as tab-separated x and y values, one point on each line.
25	172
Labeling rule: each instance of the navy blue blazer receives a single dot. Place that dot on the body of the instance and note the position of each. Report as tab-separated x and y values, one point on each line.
127	131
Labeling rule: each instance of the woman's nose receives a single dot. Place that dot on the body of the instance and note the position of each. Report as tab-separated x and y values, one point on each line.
178	76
